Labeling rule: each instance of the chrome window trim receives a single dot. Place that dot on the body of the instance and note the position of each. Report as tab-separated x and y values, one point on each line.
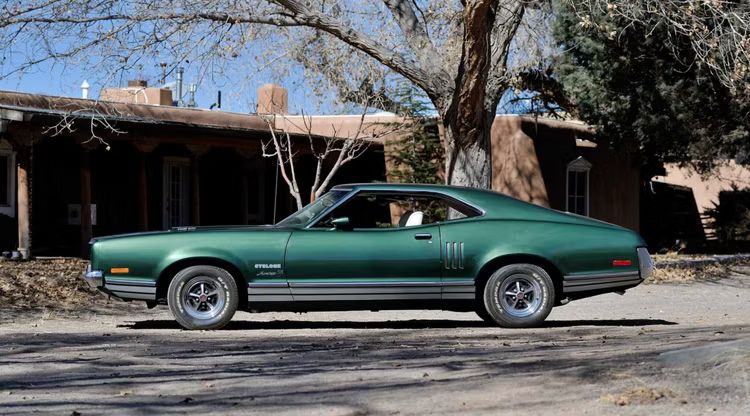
353	192
350	192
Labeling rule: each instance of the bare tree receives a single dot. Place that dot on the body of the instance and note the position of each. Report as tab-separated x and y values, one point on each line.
330	151
462	55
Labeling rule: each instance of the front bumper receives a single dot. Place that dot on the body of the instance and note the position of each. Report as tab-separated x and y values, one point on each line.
95	278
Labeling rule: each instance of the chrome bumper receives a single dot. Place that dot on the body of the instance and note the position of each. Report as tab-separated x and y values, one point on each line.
645	264
95	278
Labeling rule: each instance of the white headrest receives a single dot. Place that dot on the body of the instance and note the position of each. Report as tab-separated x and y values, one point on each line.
414	219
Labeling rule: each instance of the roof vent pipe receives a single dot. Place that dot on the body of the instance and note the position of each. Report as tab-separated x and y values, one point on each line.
163	79
85	90
180	72
217	104
192	88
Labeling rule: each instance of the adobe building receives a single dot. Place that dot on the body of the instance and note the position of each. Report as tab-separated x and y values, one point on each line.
153	165
142	166
702	192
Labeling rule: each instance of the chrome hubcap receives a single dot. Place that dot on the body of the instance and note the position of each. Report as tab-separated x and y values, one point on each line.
520	295
203	297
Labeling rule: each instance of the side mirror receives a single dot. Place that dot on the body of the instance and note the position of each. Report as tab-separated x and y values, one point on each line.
341	223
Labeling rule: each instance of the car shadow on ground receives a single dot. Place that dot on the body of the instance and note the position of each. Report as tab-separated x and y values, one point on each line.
410	324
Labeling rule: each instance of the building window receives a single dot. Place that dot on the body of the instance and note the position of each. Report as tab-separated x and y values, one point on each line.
7	181
577	193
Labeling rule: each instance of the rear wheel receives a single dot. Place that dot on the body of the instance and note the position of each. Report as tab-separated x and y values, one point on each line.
482	313
203	297
519	296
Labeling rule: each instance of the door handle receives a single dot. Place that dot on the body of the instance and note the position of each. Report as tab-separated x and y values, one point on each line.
423	236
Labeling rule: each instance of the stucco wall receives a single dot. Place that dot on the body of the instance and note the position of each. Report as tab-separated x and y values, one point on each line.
530	159
706	190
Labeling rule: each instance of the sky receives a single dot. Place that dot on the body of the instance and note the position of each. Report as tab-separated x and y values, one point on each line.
59	81
238	87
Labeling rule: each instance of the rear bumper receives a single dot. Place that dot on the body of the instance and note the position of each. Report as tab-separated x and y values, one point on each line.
610	282
95	278
645	264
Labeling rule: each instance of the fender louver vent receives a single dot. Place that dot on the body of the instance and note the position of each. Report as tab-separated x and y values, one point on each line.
453	256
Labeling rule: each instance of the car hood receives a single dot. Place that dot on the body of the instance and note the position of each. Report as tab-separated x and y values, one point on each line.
193	229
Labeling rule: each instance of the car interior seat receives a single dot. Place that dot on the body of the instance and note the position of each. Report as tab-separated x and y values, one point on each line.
411	218
404	218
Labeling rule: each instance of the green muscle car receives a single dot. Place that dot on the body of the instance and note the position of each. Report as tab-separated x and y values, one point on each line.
373	247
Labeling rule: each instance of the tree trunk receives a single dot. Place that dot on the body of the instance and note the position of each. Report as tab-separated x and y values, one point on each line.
468	160
468	113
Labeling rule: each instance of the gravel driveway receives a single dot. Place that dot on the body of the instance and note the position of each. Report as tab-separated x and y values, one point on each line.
602	355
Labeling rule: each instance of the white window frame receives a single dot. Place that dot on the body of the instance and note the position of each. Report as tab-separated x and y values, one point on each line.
10	209
578	165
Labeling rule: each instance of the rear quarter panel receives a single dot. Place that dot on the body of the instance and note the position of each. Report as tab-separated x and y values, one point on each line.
574	249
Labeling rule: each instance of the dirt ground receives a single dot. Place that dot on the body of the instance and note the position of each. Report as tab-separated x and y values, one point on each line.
660	349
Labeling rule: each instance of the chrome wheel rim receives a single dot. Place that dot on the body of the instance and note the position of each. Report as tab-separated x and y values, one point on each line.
203	298
520	295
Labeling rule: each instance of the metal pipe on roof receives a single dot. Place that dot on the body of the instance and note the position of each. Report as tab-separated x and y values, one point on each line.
180	72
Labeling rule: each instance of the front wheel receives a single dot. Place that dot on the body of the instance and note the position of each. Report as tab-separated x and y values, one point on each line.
203	297
519	296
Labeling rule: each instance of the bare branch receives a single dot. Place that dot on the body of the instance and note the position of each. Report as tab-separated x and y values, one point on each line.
508	18
306	16
416	36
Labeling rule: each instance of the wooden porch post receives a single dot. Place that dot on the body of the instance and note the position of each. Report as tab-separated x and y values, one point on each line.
142	194
23	158
195	196
86	227
247	154
243	191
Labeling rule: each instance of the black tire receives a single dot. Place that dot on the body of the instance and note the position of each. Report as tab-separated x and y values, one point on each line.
482	313
203	297
513	308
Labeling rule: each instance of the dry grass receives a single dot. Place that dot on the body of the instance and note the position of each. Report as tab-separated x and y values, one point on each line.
688	274
641	395
678	269
47	283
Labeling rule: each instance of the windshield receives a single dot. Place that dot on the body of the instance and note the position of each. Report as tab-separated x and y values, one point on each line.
306	214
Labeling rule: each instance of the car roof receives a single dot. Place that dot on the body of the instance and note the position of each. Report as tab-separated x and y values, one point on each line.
492	204
489	202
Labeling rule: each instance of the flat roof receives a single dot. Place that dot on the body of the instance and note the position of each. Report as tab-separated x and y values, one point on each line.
135	113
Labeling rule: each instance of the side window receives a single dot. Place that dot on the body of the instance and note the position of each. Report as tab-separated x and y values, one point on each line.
397	210
577	198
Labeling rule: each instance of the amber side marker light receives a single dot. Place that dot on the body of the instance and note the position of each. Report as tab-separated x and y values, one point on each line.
622	262
119	270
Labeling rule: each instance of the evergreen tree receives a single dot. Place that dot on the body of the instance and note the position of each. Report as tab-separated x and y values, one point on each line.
419	156
643	95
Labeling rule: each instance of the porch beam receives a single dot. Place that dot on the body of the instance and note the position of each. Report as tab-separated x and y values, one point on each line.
12	115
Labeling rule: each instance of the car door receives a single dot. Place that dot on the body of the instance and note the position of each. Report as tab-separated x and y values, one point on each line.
367	262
